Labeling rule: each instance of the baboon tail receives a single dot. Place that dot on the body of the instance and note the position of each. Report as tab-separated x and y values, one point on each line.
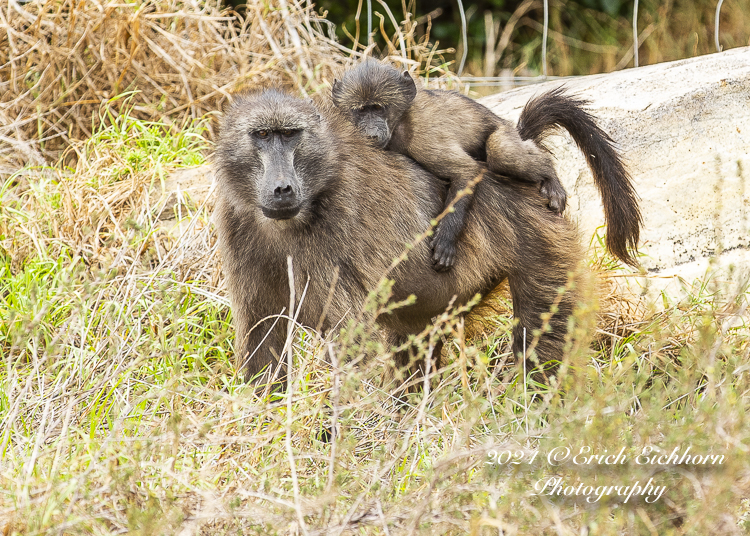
621	212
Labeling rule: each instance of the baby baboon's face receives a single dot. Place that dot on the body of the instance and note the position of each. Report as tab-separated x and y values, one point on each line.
371	120
374	96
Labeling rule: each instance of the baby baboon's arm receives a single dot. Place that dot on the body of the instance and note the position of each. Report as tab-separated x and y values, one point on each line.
450	227
464	173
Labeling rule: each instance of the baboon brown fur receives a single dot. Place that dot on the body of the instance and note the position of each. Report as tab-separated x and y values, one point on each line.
296	179
458	139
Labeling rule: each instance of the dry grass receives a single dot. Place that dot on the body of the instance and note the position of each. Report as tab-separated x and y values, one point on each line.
61	61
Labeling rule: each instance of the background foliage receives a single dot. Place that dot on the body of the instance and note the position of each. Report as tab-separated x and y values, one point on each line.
586	36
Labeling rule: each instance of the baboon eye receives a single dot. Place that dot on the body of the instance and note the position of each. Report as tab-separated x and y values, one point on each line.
289	133
376	107
262	134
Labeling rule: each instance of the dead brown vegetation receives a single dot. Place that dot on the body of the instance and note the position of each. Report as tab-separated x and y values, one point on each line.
60	61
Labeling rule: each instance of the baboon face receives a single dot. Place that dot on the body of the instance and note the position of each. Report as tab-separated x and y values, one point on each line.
372	121
269	155
374	96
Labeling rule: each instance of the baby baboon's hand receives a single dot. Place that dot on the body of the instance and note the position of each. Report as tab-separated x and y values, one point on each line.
443	250
554	191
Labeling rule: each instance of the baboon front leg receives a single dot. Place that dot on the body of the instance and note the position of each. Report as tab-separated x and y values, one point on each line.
509	155
258	351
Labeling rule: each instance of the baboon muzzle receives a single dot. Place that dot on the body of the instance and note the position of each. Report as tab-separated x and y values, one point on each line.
280	198
377	131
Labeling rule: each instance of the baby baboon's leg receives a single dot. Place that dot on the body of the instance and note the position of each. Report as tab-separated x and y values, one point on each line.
508	154
452	224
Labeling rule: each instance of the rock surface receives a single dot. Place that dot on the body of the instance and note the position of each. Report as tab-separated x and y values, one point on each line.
184	191
684	129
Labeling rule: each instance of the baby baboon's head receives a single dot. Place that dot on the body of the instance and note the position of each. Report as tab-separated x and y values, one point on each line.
374	96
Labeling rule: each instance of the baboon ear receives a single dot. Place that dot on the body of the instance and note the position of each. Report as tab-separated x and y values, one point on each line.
311	103
335	91
408	85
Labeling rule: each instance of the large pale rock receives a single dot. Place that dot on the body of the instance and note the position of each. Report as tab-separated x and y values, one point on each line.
184	191
684	129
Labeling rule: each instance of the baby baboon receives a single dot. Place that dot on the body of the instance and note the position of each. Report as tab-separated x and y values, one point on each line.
453	136
299	180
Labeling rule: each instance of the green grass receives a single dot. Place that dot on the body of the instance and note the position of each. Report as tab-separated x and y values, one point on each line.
121	410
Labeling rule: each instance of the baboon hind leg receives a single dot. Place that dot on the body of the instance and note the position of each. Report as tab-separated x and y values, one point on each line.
543	302
510	155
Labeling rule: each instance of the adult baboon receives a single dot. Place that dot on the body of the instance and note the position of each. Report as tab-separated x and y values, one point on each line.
458	139
299	180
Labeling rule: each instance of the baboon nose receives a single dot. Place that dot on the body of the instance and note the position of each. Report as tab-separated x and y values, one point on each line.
283	192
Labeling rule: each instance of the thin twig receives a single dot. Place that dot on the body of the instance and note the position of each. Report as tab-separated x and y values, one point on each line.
289	413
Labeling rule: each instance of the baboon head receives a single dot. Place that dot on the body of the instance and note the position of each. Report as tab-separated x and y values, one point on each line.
374	96
271	155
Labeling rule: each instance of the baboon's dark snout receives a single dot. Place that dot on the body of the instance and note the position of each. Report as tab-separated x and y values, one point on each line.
281	201
283	193
377	137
